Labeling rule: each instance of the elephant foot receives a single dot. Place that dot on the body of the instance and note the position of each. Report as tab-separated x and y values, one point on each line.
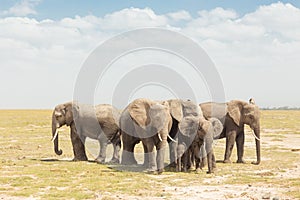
192	168
128	158
160	171
114	161
100	160
240	161
172	165
214	165
198	170
151	171
255	162
227	161
129	162
76	159
202	165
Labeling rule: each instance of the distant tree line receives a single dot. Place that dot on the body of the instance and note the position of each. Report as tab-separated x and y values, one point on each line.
281	108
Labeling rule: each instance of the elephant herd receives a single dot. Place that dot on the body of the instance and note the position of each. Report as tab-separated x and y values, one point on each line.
182	127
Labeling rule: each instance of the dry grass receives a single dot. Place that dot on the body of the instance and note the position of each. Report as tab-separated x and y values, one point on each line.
29	167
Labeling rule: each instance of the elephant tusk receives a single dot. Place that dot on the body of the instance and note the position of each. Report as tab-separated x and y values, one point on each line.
55	135
160	137
255	136
172	139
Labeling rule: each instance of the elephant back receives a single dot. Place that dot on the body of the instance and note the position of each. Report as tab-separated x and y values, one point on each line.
108	117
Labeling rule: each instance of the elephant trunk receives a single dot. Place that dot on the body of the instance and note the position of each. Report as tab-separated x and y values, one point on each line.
257	142
55	135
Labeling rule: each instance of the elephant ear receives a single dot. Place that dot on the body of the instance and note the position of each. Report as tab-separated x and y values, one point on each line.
189	126
138	110
68	109
217	127
158	114
234	109
176	109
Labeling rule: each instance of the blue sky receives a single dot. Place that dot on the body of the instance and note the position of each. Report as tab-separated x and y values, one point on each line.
254	45
57	9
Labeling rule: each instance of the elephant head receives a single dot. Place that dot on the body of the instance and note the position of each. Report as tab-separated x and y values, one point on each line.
62	115
149	116
210	128
246	113
187	114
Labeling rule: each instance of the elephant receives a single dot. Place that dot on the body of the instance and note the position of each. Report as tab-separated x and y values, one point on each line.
148	121
182	157
207	130
98	122
130	138
189	125
234	115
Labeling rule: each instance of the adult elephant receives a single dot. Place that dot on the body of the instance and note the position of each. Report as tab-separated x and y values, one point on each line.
130	137
98	122
148	121
235	114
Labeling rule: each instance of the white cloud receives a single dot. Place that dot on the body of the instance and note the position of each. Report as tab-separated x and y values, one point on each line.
256	54
23	8
180	15
281	20
132	18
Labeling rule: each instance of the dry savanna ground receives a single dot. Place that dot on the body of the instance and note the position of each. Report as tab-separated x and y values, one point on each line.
29	169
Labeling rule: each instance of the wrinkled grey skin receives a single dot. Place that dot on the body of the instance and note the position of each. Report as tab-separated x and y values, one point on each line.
99	123
182	157
190	127
185	121
185	117
234	115
208	129
204	141
147	121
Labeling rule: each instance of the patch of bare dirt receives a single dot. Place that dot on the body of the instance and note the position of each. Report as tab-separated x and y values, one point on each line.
204	192
290	141
225	192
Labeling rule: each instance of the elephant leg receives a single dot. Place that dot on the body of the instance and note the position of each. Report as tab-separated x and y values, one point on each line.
209	150
161	148
191	160
129	143
230	138
186	160
102	153
116	154
149	144
240	141
210	162
146	156
173	153
178	164
78	145
214	165
203	156
197	162
173	145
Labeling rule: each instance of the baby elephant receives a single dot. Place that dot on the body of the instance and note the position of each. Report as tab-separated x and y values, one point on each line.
182	157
